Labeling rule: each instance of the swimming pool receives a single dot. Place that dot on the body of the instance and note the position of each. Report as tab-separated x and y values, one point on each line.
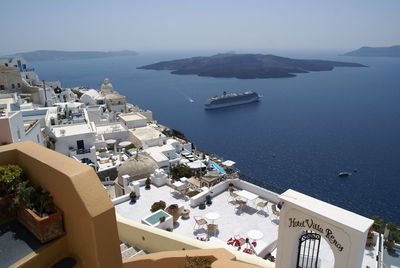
220	169
155	217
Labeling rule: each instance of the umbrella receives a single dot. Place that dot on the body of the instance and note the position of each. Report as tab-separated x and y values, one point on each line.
124	143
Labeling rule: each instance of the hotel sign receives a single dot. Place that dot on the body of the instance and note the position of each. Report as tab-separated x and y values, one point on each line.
310	224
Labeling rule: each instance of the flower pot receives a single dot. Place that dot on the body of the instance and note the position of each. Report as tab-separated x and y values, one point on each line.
44	228
5	213
173	210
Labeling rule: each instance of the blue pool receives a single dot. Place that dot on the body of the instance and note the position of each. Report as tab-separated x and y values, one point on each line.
220	169
155	217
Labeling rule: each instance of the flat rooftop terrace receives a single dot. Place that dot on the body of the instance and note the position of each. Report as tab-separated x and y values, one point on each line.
230	223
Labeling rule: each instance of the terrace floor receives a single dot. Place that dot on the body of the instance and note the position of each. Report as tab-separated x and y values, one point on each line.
391	258
16	242
230	223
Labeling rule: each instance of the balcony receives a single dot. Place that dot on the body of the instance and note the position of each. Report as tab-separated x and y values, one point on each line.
91	237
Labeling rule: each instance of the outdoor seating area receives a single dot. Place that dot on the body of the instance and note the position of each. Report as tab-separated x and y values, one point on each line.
219	221
242	198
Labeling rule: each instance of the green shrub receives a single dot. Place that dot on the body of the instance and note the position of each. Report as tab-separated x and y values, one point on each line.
35	198
158	205
180	171
192	193
130	146
10	177
202	205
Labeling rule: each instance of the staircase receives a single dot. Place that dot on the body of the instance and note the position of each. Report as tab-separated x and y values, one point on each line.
128	251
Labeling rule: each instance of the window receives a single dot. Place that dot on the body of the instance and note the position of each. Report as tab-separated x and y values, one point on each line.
19	85
38	139
1	87
27	77
6	64
24	66
19	135
12	86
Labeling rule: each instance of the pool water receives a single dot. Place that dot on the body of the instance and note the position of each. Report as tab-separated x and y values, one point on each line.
220	169
155	218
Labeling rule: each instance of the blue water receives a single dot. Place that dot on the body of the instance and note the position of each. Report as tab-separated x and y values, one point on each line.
316	124
155	218
220	169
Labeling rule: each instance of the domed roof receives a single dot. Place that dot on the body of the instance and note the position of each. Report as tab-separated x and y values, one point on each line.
138	168
106	87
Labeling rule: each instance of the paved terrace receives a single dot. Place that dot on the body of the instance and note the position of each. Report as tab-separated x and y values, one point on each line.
230	223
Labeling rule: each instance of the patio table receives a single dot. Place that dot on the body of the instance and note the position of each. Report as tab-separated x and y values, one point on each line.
212	216
255	234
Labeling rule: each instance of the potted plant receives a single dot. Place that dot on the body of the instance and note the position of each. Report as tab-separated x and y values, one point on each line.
230	187
162	219
370	238
173	210
390	243
132	196
158	205
10	177
208	199
202	205
147	183
38	213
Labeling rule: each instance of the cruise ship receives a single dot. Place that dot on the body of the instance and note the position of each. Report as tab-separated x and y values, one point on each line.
230	99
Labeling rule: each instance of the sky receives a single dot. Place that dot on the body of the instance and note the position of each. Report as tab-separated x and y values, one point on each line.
163	25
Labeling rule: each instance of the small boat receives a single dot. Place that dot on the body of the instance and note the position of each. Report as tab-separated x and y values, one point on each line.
344	174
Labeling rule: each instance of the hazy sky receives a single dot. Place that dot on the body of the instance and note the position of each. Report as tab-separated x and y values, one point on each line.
197	25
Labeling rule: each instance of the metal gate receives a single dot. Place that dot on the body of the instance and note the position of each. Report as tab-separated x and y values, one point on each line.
307	256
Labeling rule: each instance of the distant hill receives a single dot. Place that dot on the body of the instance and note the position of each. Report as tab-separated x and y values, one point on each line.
246	66
42	55
393	51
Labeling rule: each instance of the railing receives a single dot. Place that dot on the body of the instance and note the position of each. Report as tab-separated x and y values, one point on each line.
267	185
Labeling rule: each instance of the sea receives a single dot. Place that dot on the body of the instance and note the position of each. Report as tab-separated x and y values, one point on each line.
303	132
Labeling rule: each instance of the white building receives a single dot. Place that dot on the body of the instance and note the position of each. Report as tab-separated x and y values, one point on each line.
73	135
92	97
146	137
98	115
65	94
114	101
27	73
133	120
14	127
115	131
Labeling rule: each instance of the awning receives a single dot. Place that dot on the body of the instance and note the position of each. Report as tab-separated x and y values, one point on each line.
196	164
